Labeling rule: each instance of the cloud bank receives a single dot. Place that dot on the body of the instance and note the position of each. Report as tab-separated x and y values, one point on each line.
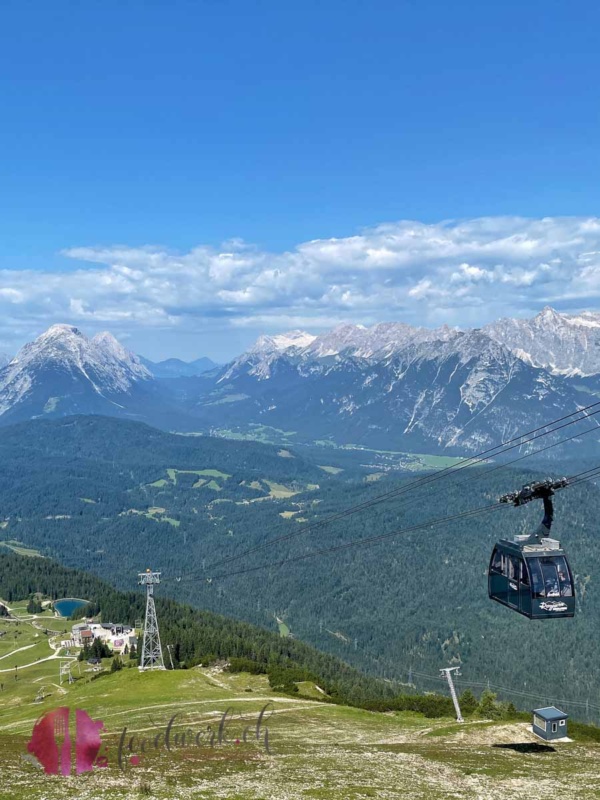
460	272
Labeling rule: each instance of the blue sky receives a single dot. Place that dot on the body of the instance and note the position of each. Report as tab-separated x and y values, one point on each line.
185	128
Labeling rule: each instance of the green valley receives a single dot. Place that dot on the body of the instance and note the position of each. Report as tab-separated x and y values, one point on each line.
413	603
180	733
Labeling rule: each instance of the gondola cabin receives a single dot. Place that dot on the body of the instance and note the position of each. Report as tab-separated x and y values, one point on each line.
532	578
531	574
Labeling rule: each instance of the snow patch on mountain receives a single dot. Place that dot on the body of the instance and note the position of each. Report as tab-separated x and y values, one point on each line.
281	342
375	343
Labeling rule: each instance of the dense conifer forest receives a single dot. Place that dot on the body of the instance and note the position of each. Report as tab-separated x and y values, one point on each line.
115	497
196	636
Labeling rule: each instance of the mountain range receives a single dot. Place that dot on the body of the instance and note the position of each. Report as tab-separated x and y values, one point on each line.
391	385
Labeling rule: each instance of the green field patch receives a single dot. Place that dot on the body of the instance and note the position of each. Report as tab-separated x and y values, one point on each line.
154	513
331	470
279	491
258	433
214	485
285	454
211	473
202	474
19	653
409	460
450	730
229	398
88	500
266	430
288	514
21	549
236	435
437	462
253	500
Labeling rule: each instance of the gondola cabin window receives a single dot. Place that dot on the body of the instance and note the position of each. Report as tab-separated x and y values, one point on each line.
498	562
524	577
551	577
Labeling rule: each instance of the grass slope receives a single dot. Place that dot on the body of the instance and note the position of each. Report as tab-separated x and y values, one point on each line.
316	750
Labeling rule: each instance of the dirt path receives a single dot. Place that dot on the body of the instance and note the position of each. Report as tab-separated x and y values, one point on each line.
41	661
18	650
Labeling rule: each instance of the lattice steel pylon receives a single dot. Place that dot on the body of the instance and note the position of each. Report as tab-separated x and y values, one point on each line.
151	656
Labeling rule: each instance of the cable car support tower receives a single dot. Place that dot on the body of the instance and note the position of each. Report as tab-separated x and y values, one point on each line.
447	674
151	656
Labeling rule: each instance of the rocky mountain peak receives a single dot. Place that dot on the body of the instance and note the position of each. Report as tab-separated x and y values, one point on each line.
548	312
59	330
63	357
565	344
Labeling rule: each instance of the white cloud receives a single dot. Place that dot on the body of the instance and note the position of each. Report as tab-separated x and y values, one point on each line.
460	272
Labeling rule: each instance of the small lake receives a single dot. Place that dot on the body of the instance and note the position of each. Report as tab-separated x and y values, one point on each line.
68	605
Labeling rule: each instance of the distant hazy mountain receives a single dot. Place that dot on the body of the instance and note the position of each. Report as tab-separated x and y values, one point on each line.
176	368
342	342
389	386
63	372
444	391
4	359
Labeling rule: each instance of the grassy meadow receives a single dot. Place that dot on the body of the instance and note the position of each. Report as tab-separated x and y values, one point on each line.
316	751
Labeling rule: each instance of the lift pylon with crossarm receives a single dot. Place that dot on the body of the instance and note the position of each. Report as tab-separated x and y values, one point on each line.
151	656
447	674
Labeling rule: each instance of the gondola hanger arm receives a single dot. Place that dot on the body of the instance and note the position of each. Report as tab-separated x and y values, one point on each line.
540	490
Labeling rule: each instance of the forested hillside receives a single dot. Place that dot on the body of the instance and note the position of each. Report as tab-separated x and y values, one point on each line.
117	497
195	636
